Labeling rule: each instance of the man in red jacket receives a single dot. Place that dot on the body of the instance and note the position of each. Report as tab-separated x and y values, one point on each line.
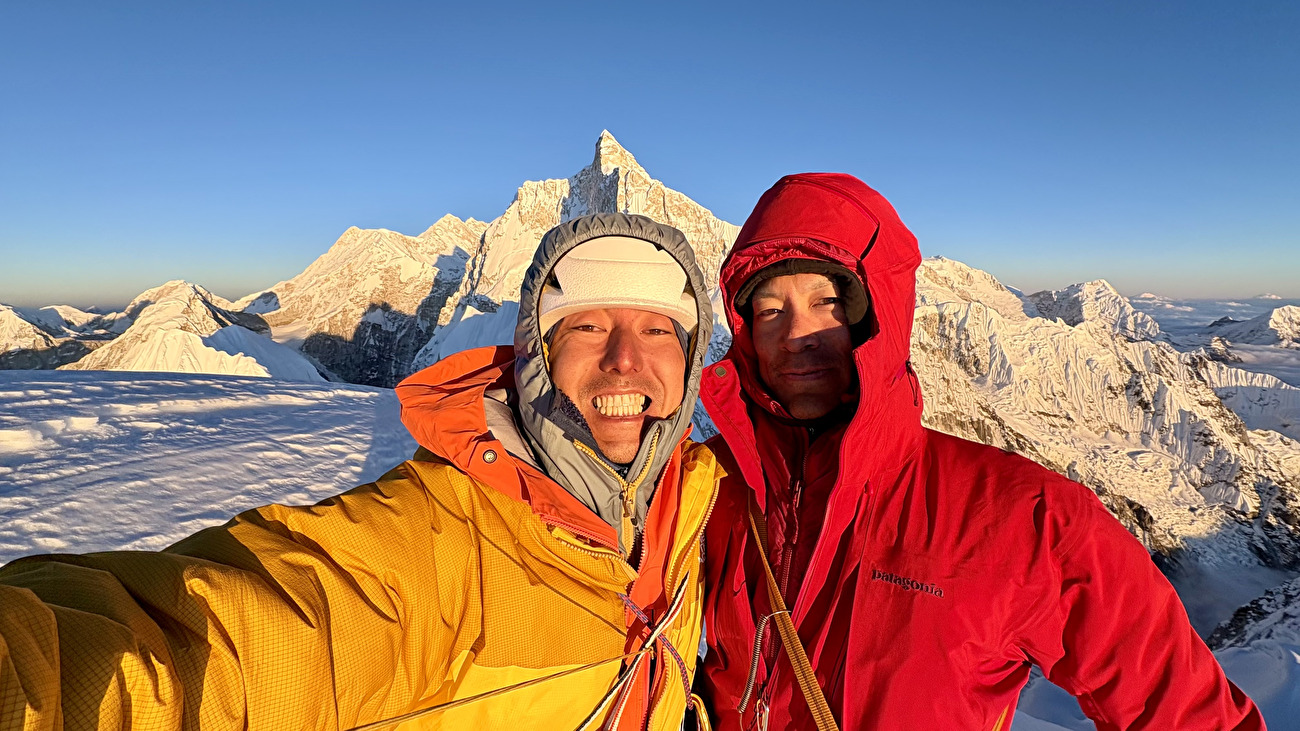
923	574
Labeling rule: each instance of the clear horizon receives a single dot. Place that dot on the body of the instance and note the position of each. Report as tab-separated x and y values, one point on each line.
1046	143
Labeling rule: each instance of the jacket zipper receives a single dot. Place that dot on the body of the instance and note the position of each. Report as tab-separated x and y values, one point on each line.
792	530
554	522
669	587
672	575
629	488
629	505
787	557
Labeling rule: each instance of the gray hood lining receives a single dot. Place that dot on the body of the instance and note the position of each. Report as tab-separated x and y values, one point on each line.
549	432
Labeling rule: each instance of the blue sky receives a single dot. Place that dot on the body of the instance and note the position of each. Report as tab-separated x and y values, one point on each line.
1152	144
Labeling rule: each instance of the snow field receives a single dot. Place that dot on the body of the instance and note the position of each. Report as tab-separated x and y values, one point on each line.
93	461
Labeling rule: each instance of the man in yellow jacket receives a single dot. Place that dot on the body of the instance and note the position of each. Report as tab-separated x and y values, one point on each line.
536	564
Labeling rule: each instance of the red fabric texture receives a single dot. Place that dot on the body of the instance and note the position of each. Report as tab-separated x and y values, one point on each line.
926	573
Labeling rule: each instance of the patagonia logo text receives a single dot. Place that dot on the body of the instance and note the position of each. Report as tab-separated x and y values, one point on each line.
906	583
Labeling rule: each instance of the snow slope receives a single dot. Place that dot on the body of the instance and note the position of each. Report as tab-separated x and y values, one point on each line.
180	327
92	461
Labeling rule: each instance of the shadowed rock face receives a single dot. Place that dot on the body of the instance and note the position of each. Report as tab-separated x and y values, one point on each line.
48	337
1274	616
57	354
365	307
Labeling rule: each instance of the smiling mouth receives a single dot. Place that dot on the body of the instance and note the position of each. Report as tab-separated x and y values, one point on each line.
809	373
621	404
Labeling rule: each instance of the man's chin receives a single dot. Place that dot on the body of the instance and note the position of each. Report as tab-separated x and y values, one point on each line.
619	452
618	441
808	407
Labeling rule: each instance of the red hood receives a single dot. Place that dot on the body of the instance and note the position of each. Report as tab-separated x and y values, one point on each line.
838	218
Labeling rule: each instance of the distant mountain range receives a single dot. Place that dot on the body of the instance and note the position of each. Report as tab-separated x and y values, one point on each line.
1194	453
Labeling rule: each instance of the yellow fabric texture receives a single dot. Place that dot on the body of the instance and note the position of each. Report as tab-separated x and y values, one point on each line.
418	589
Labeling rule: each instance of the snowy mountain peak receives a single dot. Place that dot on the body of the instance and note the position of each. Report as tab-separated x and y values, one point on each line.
181	327
1285	321
47	337
19	333
1096	302
365	306
613	183
450	228
610	155
176	288
940	279
1279	326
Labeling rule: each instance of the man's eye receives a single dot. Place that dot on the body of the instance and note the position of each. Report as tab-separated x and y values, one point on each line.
658	331
832	301
769	312
586	328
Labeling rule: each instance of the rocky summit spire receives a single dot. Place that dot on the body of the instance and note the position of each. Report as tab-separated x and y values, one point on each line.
611	155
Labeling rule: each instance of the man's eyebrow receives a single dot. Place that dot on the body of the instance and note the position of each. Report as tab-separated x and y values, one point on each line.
765	289
817	284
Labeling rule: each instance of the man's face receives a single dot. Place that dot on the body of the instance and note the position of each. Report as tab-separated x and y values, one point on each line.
624	369
801	336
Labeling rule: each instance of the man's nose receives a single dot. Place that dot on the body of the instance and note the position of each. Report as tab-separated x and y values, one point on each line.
801	332
622	352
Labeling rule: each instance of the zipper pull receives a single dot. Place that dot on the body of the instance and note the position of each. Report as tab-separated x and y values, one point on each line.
629	533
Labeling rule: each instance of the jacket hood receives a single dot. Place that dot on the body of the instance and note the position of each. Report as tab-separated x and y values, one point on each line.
565	449
836	218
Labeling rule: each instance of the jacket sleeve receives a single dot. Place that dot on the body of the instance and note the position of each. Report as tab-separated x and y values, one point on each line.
329	616
1113	632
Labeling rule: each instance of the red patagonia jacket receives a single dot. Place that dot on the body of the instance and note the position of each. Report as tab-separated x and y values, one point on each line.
925	573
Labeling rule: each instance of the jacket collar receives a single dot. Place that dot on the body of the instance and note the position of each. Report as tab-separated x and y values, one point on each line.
443	408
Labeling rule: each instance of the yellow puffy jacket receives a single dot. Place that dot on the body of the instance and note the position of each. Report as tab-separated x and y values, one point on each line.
476	587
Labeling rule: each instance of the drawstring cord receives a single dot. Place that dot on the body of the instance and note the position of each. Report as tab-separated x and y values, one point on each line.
657	634
751	679
667	645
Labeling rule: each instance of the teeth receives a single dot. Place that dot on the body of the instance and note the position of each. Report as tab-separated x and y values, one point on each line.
622	404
